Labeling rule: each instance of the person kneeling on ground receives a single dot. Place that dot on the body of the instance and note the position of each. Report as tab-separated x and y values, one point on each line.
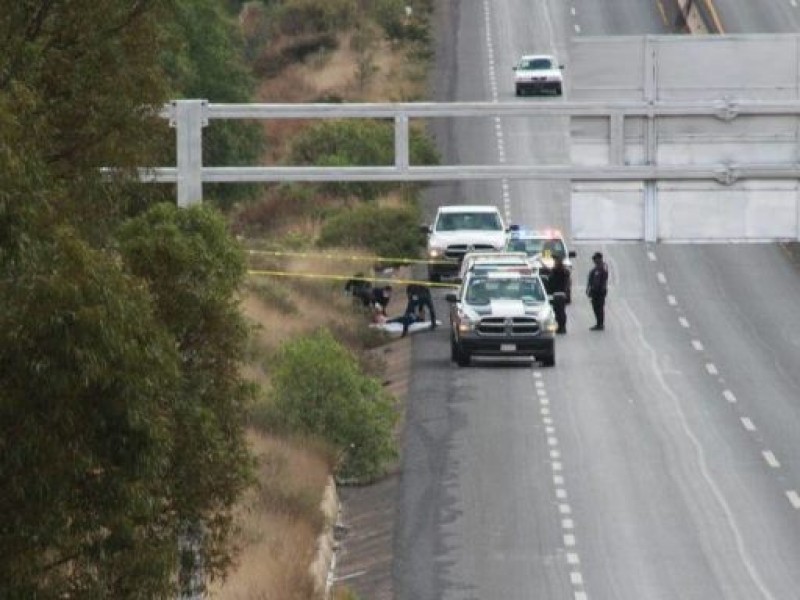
421	295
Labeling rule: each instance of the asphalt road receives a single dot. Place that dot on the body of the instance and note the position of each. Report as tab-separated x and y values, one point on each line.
659	459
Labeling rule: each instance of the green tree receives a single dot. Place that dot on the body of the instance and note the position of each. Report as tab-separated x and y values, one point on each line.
317	388
390	231
194	270
208	64
88	386
83	82
357	142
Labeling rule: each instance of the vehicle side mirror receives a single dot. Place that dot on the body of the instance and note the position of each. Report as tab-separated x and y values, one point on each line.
514	68
513	227
572	254
560	66
451	297
425	229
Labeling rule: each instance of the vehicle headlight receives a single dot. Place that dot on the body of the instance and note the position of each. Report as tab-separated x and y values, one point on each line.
435	252
551	326
465	324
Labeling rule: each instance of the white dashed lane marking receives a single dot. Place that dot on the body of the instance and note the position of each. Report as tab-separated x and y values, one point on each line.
561	494
684	323
697	345
662	279
671	300
748	424
771	460
794	499
729	396
712	370
651	256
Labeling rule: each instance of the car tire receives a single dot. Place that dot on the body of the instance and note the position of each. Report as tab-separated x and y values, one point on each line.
549	361
461	356
558	90
519	91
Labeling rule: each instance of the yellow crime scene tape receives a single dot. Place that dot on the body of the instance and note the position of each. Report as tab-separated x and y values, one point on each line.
386	280
353	257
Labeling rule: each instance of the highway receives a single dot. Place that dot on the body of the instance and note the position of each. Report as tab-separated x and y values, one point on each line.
660	459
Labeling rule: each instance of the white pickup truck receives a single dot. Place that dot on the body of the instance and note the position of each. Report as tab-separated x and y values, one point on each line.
458	229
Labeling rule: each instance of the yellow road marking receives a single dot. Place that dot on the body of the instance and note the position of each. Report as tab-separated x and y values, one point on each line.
663	13
717	22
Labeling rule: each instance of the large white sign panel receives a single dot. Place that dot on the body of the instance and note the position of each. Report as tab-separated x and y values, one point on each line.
675	69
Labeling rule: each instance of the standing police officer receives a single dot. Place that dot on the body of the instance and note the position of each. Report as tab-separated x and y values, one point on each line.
558	284
597	288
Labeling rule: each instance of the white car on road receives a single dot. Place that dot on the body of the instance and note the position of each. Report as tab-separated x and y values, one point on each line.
538	73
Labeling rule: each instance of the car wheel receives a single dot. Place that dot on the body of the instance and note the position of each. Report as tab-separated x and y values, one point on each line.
549	361
462	357
519	91
558	90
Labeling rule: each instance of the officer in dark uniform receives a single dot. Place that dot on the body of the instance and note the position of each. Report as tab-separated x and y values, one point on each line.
420	295
381	296
597	288
557	286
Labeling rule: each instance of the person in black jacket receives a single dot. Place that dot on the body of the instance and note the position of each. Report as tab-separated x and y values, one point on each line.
420	296
557	286
597	288
381	296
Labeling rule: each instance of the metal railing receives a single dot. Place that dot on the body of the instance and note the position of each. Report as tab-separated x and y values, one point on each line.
189	117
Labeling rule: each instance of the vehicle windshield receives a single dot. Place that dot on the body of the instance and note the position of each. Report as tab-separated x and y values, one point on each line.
482	290
531	246
536	64
481	221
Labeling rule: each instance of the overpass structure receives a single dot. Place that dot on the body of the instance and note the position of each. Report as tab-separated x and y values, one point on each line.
672	139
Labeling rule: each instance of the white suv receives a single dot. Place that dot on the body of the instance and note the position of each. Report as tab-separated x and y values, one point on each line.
538	73
459	229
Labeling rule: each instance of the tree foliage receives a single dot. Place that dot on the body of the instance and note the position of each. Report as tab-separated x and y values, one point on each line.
354	143
386	230
82	80
120	397
194	270
318	389
208	63
88	383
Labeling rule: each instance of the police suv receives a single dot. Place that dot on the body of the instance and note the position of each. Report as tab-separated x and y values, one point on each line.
542	246
501	313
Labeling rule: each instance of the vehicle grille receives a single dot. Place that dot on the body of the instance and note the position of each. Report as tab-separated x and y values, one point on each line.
505	326
457	251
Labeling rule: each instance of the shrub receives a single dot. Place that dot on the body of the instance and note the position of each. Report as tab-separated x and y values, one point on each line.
358	143
391	231
318	389
279	207
391	16
312	16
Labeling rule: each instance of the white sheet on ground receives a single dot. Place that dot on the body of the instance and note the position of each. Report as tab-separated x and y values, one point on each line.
397	328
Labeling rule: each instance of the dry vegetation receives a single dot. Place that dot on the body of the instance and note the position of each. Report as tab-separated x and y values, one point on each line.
280	520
